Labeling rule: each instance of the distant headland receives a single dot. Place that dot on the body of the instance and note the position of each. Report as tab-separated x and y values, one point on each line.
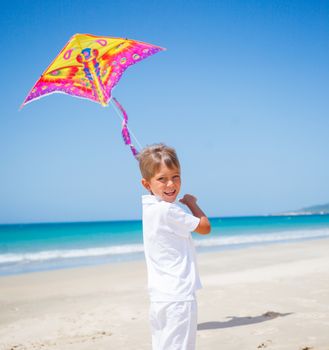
321	209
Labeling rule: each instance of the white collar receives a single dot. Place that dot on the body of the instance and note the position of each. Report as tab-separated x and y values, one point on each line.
150	199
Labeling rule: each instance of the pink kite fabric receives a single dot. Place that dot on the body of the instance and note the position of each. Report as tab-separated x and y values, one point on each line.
89	67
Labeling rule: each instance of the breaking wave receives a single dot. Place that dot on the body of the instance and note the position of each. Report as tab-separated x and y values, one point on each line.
129	249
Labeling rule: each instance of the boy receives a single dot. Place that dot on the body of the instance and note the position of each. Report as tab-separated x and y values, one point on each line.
169	251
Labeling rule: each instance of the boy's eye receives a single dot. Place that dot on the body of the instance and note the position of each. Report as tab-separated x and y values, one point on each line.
164	179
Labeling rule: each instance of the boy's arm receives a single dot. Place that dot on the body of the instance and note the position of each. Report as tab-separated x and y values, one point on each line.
204	226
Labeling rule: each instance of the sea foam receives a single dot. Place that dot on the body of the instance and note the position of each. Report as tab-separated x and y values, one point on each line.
126	249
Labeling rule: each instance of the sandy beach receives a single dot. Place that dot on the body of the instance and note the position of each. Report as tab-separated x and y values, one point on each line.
273	297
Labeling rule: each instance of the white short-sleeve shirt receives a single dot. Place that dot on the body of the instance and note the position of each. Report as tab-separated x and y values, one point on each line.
169	250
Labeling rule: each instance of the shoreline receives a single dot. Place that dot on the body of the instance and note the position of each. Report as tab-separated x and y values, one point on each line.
274	296
117	254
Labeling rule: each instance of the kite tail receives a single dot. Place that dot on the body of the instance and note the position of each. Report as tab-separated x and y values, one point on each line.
125	130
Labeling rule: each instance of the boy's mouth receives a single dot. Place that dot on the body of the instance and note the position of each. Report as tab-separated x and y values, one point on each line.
171	193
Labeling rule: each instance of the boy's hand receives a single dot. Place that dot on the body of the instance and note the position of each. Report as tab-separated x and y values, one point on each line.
188	199
204	226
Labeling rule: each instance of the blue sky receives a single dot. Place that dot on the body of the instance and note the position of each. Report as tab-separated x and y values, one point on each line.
241	93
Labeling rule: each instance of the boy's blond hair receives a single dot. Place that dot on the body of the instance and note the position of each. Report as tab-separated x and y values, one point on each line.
151	157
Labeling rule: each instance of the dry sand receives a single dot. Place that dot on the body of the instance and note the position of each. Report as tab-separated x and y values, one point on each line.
272	297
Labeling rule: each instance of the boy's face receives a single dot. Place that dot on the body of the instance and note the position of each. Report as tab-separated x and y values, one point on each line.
165	183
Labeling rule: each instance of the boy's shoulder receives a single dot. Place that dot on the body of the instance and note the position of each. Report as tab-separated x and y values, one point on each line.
154	204
156	201
172	215
149	199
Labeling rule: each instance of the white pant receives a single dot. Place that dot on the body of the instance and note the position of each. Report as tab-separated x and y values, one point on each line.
173	325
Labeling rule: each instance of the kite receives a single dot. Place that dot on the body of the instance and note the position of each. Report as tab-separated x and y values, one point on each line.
90	67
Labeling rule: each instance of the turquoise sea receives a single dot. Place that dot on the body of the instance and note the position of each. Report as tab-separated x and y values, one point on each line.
26	248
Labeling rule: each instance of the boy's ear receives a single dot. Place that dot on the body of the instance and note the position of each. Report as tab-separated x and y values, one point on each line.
146	184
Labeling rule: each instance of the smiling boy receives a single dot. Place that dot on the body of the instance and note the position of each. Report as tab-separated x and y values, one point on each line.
169	250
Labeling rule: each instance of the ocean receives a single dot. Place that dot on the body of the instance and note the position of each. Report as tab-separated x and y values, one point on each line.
26	248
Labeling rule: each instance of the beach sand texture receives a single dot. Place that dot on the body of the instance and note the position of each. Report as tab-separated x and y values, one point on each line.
265	297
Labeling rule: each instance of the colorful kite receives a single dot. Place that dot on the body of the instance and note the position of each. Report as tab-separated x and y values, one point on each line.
89	67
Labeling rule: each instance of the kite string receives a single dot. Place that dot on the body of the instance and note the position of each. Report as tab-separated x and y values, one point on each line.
115	107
